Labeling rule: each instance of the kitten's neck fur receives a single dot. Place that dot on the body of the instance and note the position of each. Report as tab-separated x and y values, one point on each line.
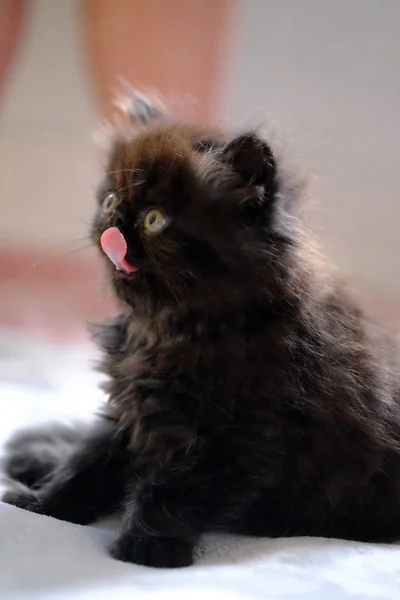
286	291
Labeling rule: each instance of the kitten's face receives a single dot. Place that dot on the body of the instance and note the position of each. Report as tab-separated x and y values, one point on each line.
195	211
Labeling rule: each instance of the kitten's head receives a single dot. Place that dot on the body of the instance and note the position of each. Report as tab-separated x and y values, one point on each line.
188	215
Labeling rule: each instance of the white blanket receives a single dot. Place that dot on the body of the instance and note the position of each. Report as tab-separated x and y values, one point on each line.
44	558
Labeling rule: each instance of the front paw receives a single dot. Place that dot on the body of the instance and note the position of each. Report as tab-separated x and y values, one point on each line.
22	497
160	552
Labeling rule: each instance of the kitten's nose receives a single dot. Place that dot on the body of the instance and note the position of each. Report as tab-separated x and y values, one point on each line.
114	246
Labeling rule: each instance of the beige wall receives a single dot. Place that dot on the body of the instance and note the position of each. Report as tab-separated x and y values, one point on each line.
47	160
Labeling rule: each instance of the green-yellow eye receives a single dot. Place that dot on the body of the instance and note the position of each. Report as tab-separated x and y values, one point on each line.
110	202
154	221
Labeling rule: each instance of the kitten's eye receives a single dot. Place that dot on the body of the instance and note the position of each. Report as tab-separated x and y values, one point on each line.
110	202
154	221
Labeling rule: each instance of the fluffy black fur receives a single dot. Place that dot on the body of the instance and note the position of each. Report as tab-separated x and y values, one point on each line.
247	391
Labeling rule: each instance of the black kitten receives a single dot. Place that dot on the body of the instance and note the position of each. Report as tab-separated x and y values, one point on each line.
247	391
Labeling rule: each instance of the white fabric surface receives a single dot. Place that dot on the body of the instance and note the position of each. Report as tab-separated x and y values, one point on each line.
45	558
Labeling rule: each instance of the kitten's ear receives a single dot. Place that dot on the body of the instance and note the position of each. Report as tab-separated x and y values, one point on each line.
252	160
254	165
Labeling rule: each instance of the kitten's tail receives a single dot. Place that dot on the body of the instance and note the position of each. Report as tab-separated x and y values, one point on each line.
32	455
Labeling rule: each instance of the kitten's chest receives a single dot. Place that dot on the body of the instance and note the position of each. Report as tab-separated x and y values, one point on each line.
222	352
151	387
171	376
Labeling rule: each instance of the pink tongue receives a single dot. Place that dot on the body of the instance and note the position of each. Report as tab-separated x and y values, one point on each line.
114	245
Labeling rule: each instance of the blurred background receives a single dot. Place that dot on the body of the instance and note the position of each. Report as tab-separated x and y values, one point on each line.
323	74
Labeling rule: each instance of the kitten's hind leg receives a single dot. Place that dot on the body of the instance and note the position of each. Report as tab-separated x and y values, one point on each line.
88	485
32	455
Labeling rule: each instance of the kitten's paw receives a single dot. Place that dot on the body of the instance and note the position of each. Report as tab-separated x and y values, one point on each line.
22	497
160	552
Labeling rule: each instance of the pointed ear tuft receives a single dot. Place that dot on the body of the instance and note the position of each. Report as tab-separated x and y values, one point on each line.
140	108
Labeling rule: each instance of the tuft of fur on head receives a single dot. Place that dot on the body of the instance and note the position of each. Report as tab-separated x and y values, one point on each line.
134	109
140	108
